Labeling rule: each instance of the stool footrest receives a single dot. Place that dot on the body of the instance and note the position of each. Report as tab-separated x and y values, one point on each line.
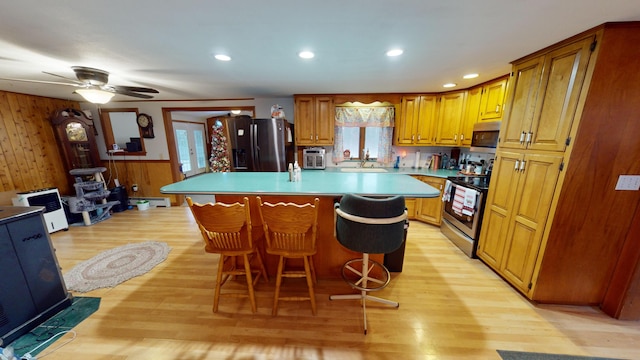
377	275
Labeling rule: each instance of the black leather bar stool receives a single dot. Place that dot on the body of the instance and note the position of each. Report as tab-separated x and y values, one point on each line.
369	226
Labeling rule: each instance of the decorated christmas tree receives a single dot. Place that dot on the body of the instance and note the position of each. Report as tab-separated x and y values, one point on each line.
219	159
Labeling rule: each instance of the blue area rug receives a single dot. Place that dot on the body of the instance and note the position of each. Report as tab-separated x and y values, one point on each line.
520	355
65	320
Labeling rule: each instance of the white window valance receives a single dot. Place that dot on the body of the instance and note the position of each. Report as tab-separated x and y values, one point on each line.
365	116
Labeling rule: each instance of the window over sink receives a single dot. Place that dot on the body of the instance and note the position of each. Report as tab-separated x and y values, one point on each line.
364	129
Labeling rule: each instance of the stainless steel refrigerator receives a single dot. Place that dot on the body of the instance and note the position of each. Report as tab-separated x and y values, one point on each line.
260	144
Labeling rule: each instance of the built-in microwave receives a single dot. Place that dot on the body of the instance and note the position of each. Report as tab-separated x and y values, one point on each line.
485	137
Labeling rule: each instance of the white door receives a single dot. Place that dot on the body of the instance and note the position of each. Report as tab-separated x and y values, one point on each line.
191	146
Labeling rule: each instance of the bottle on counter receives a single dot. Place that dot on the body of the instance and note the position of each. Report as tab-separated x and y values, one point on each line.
290	172
445	161
297	173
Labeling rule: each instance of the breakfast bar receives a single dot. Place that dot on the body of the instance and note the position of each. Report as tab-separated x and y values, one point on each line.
328	186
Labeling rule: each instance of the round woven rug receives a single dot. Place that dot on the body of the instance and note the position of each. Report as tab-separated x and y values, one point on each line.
116	266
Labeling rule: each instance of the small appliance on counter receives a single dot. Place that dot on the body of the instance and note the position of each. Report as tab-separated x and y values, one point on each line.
313	158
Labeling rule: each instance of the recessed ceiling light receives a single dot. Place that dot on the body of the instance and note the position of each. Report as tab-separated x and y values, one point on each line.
449	85
306	54
222	57
395	52
470	76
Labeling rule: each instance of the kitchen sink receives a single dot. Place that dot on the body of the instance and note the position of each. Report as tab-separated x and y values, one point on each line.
364	170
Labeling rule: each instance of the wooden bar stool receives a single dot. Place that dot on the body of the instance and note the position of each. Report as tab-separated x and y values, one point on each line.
226	230
290	230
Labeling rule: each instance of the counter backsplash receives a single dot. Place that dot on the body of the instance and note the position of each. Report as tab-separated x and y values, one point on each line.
408	157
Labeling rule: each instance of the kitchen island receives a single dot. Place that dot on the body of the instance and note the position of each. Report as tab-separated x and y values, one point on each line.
328	186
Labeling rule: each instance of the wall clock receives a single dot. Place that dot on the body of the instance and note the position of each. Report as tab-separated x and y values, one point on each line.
146	125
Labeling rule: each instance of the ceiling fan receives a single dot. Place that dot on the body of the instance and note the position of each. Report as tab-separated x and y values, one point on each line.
92	84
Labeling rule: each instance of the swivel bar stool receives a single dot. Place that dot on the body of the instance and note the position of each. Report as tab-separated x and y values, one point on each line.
369	226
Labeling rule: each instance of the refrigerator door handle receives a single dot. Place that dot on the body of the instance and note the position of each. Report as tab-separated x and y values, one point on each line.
254	147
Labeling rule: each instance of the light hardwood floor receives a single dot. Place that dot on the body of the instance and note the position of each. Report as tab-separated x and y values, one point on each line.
451	307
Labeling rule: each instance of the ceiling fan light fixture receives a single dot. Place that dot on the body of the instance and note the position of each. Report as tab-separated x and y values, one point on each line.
96	96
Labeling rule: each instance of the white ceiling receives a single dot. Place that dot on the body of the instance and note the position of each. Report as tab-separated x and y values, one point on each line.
169	45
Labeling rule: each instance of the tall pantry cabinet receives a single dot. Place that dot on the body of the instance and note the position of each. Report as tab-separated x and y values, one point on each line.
554	225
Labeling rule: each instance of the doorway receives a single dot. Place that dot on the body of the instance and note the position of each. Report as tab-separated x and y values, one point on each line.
191	147
199	115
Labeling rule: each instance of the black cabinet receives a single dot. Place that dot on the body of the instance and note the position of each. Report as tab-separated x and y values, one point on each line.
31	284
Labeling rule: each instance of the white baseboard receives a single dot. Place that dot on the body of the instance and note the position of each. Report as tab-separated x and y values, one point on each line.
153	201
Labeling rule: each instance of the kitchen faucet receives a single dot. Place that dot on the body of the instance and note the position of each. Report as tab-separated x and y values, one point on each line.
364	157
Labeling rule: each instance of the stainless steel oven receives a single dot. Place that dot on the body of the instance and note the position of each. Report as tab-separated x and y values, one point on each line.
464	201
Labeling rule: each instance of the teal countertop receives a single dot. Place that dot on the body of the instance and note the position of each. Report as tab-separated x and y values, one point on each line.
331	182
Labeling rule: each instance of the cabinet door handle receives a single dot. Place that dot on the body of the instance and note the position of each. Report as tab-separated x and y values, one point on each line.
517	165
455	137
311	137
316	137
529	136
419	138
413	137
522	163
461	137
522	136
497	108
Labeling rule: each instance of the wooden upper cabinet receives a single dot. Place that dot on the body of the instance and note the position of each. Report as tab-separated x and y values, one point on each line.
471	115
314	120
415	125
560	88
525	81
493	96
544	98
450	111
304	119
425	129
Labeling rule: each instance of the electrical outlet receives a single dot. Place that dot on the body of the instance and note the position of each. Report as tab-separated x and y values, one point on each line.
628	182
134	187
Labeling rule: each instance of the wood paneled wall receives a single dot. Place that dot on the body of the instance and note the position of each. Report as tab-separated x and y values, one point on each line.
29	155
149	175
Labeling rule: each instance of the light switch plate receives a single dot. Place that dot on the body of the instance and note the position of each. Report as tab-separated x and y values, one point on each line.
628	182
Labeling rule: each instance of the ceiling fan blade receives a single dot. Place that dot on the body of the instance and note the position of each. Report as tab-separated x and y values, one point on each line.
64	77
42	82
135	89
121	91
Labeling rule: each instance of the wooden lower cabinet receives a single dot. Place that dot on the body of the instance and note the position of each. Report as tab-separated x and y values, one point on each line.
428	210
522	188
411	208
